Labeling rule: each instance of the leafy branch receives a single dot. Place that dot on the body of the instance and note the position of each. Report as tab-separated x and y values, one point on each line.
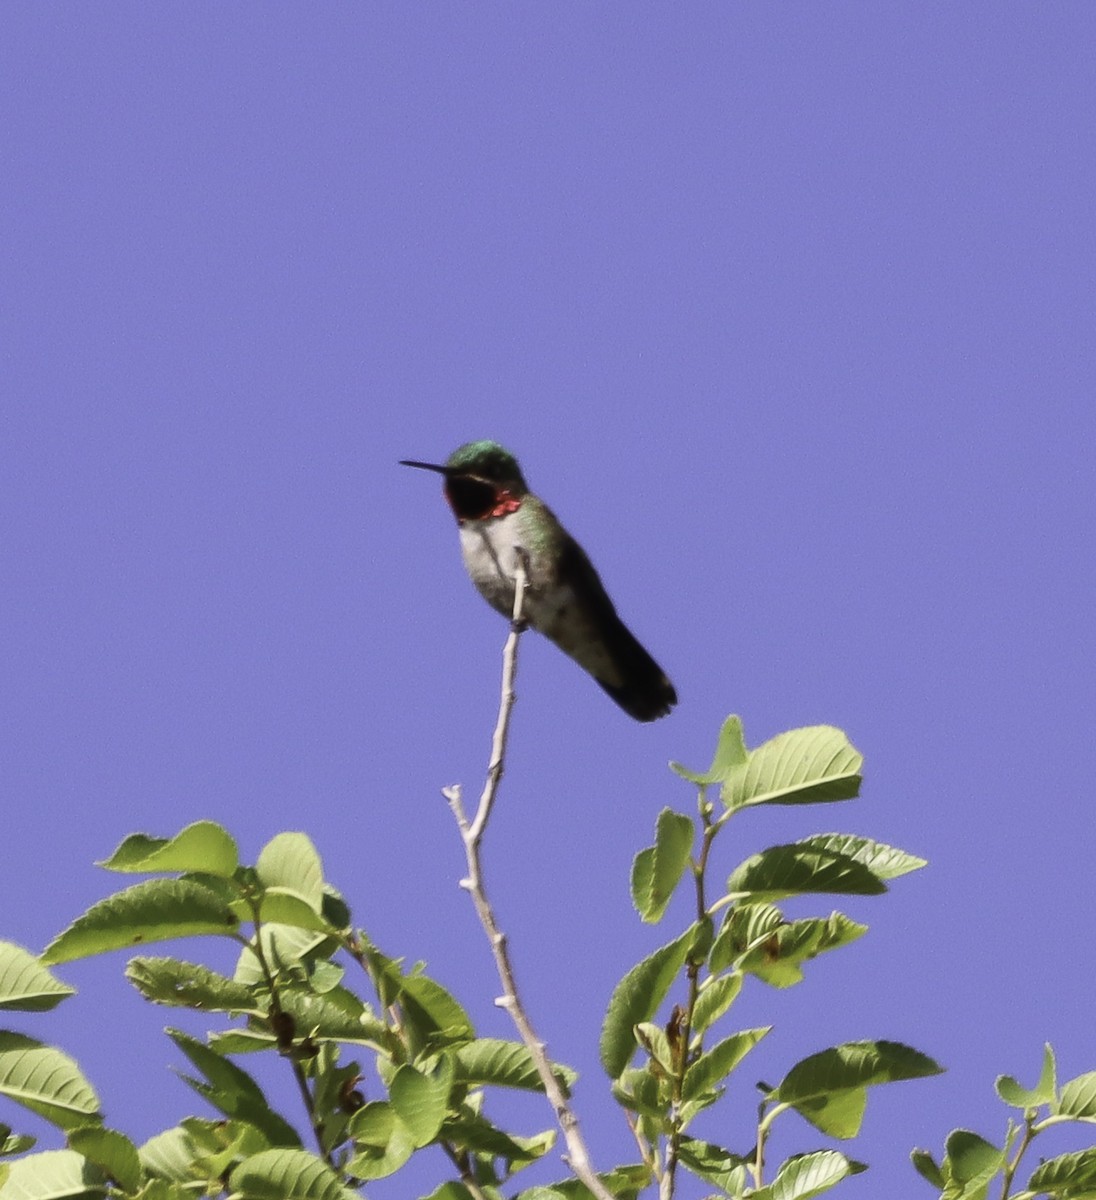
971	1164
382	1078
288	988
741	934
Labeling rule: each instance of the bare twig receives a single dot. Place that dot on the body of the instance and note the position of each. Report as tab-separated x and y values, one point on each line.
471	832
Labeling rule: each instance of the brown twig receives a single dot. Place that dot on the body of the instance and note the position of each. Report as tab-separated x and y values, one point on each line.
460	1161
471	832
673	1149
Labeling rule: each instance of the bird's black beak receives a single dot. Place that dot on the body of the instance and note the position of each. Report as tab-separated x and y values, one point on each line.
407	462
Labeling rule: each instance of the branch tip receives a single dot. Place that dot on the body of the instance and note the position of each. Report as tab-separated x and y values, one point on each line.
578	1157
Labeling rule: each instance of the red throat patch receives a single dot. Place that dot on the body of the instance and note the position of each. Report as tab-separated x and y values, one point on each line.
504	504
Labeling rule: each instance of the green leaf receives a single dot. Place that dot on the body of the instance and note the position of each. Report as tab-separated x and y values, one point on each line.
827	1088
657	871
643	1091
1044	1092
807	1175
193	1157
325	976
502	1063
434	1012
112	1152
730	754
717	994
799	868
624	1182
283	906
337	1093
386	973
337	1014
46	1081
14	1143
25	984
1079	1098
370	1164
744	927
336	911
170	1156
757	938
636	998
373	1123
241	1041
778	960
970	1160
714	1165
642	880
884	862
152	911
814	765
53	1175
285	948
656	1045
925	1166
854	1064
290	861
188	985
161	1189
232	1091
472	1131
700	944
430	1013
221	1145
382	1140
1066	1175
713	1067
421	1099
288	1175
837	1114
203	846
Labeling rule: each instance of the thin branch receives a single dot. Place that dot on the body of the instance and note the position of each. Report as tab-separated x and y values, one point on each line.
1009	1170
673	1148
279	1015
471	832
460	1161
764	1124
646	1151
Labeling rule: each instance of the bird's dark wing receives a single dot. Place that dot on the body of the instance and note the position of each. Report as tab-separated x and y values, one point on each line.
595	636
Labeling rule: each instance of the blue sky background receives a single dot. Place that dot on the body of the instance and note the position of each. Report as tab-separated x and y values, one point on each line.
788	311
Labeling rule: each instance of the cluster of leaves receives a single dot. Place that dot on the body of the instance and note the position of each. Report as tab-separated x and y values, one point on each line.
738	933
971	1164
291	995
288	996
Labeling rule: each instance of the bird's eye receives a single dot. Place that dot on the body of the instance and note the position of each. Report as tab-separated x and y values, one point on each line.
470	498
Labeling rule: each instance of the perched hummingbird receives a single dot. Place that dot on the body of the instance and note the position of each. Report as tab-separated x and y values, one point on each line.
564	598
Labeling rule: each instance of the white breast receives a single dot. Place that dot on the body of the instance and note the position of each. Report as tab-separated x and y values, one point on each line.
488	550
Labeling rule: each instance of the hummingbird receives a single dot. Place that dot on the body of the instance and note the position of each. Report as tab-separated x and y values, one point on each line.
499	519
